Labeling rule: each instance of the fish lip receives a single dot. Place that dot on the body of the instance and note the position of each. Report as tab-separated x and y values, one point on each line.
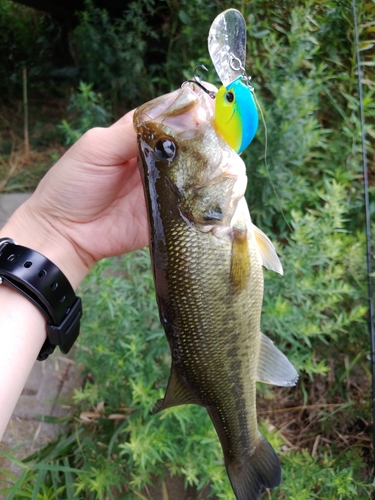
182	113
158	107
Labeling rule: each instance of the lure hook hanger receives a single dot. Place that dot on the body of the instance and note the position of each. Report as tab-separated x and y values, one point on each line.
198	82
245	76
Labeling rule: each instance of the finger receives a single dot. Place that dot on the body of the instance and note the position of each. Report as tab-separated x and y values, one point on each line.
107	146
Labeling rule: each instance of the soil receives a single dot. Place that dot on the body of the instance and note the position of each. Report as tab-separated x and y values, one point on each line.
321	414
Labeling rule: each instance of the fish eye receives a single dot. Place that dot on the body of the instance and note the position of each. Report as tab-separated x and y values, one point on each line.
165	149
229	96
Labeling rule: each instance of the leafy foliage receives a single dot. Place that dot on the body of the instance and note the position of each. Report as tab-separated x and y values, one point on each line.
310	180
86	110
112	52
28	39
115	447
308	478
305	191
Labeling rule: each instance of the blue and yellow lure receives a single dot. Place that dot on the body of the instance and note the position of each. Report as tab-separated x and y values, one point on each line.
236	114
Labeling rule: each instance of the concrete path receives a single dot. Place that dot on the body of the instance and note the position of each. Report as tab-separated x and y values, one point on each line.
9	203
47	390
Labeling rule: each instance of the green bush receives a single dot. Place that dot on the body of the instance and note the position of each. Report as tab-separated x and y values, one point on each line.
127	364
28	39
111	52
305	182
123	448
86	110
325	478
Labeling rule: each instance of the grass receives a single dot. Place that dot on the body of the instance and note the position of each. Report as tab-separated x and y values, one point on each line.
115	449
21	172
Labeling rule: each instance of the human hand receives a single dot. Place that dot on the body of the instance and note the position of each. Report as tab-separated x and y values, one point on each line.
90	205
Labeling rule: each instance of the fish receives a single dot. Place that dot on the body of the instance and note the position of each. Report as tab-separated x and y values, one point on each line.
207	259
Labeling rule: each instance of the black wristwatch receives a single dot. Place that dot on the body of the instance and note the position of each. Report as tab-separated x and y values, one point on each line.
40	281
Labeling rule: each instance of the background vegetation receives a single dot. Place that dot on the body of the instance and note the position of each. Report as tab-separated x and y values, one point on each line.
305	191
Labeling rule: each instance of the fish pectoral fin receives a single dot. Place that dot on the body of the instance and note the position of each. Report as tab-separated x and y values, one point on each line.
273	366
176	394
240	265
267	251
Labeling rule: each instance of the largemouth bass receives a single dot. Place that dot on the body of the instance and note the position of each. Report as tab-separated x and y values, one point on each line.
207	259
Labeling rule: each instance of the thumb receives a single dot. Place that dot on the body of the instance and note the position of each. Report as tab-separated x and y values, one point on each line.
107	146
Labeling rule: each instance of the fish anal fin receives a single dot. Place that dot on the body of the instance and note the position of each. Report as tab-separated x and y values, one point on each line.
176	394
273	366
267	251
240	260
248	474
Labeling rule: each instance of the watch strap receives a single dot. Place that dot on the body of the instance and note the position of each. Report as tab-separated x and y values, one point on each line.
41	282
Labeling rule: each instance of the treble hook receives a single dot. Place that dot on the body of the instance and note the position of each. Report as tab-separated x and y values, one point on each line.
197	81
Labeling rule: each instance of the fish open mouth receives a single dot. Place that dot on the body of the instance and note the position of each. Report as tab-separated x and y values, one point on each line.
184	111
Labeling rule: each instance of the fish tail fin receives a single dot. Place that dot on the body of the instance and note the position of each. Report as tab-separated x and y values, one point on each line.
249	474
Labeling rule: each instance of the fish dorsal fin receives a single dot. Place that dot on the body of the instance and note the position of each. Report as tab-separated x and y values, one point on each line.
267	251
176	394
273	366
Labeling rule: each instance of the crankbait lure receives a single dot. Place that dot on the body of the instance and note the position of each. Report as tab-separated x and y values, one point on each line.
236	115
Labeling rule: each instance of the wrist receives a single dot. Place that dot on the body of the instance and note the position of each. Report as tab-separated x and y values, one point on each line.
31	230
